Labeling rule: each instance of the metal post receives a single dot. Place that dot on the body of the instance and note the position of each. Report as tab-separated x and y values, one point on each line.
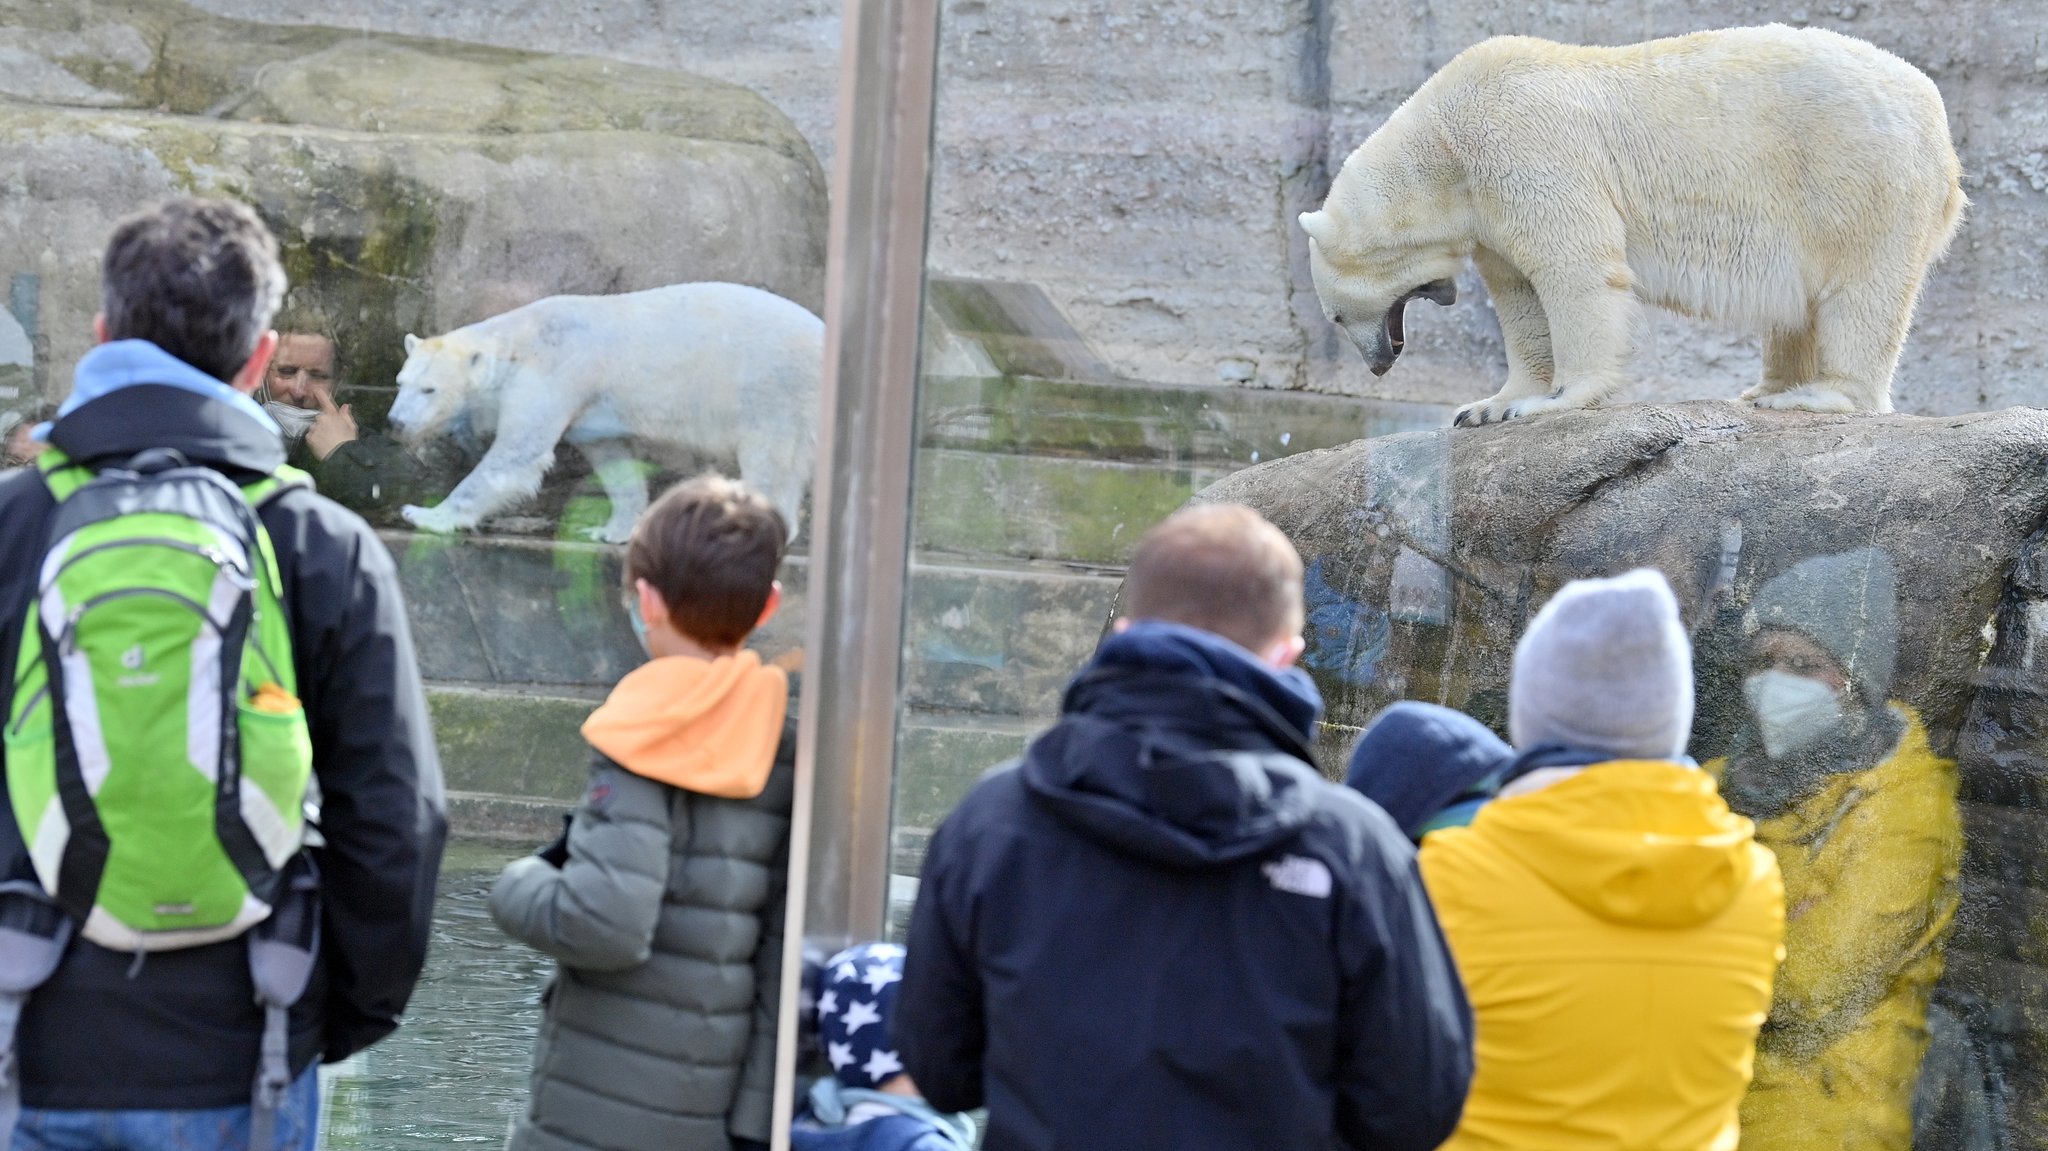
861	496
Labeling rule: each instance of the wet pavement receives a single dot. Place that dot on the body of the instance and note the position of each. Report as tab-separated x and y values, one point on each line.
455	1071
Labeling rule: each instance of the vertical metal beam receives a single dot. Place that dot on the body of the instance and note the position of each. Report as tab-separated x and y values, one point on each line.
861	495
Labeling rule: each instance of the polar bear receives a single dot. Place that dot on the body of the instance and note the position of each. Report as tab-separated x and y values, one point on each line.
1792	182
721	369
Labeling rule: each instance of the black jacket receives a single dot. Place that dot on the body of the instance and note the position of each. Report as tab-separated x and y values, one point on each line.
182	1031
1163	929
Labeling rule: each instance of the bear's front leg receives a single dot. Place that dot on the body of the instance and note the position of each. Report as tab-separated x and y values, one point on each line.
439	518
511	470
1592	310
1524	328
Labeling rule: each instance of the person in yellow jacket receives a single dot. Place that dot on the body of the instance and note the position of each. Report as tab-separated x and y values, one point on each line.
1862	814
1616	925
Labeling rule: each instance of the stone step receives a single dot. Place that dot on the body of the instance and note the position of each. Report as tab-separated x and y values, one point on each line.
514	762
509	613
512	820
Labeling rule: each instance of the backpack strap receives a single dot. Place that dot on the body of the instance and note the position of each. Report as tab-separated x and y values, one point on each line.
285	479
33	936
61	475
282	951
260	494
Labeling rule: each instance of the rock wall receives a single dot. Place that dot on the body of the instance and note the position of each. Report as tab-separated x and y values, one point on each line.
1144	161
415	185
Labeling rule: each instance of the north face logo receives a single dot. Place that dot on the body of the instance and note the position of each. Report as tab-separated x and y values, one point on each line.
1299	875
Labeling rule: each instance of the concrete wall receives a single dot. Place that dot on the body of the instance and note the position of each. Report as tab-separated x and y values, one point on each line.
1144	161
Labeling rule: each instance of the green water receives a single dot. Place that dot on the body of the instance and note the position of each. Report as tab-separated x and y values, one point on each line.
455	1071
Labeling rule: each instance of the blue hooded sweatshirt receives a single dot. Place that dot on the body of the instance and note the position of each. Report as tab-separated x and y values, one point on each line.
1163	928
1427	766
120	364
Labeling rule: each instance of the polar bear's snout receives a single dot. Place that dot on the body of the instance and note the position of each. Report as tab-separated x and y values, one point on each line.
1390	335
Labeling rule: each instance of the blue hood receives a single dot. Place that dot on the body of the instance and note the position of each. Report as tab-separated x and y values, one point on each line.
1416	759
1178	747
1176	649
110	367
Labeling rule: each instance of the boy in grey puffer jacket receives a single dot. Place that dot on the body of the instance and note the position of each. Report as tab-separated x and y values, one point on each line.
664	905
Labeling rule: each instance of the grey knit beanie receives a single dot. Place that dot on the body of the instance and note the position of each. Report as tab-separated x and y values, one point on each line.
1605	667
1848	604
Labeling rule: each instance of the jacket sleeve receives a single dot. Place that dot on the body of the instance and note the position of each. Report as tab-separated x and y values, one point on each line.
382	818
597	911
1876	905
1404	1025
940	1029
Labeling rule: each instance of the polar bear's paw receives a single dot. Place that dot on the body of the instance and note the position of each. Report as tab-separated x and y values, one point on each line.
1807	398
608	534
1537	405
1486	411
1494	409
434	519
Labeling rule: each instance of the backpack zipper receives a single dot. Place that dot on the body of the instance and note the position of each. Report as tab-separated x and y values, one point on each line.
215	556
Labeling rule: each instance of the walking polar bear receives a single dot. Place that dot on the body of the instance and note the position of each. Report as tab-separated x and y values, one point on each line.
1792	182
719	369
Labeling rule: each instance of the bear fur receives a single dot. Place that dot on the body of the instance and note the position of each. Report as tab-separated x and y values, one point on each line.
720	370
1796	183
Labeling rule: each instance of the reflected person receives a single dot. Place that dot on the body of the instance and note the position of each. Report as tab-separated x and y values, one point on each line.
298	392
1862	814
363	470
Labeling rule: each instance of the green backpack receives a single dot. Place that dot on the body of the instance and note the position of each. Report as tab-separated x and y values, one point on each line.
157	754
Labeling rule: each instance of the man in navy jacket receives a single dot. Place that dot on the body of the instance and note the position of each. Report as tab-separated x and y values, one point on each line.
1163	928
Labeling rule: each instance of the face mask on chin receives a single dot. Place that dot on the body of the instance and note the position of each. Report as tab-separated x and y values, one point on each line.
1792	711
295	421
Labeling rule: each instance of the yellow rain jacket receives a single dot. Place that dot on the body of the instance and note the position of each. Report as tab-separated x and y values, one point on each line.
1617	932
1870	863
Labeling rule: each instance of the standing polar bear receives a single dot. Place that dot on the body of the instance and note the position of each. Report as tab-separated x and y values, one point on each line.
1793	182
718	369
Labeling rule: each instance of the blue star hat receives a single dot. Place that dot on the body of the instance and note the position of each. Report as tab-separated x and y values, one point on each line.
856	1001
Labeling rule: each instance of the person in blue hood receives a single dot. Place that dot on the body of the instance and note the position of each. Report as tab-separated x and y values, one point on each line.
1427	766
1163	928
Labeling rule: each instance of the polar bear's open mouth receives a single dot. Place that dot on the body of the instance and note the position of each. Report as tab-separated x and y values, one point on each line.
1441	292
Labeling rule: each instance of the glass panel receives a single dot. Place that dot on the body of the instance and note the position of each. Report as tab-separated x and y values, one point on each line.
1121	312
545	260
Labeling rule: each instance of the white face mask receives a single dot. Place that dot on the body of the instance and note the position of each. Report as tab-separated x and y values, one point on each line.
1791	710
295	421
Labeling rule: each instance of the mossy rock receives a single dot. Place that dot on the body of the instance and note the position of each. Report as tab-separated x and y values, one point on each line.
416	185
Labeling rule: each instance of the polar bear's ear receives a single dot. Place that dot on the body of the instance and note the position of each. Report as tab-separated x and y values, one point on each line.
411	342
1320	228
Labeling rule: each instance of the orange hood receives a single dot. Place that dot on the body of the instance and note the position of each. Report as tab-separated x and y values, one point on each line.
708	726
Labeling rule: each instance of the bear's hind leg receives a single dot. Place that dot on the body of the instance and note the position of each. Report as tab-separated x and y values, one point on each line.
1791	360
624	479
770	463
1858	334
1524	328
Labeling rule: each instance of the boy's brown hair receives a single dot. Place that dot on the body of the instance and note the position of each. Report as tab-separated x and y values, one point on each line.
710	547
1219	567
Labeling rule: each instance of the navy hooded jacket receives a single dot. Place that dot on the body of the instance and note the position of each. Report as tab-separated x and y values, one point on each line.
1164	929
1417	759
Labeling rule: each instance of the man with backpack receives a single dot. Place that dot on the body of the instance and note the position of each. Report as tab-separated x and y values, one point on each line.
223	816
